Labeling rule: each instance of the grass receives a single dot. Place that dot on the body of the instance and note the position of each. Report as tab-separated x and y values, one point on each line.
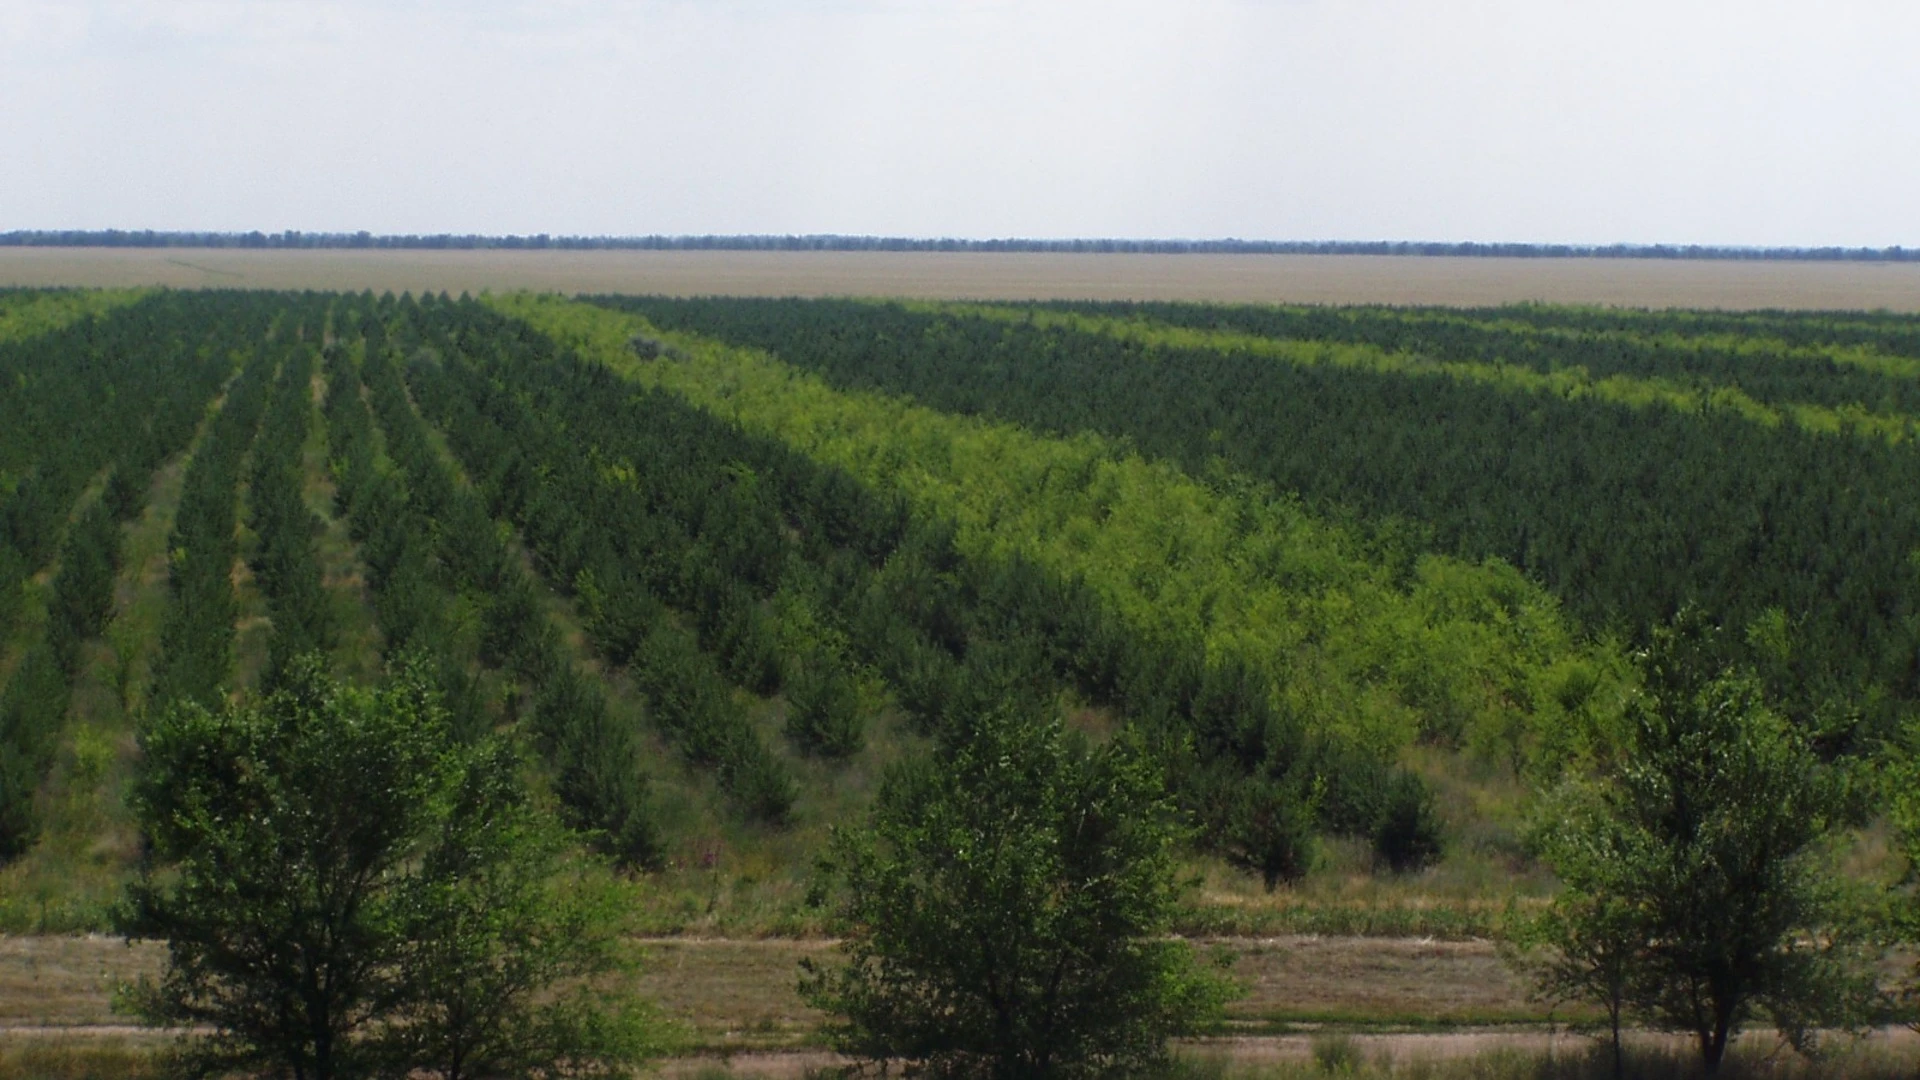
72	875
57	1058
356	654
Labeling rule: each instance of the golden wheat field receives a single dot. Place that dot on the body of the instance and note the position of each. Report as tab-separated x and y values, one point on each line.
1305	279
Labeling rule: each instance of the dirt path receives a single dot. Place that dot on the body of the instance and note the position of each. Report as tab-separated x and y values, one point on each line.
1253	1052
737	998
740	993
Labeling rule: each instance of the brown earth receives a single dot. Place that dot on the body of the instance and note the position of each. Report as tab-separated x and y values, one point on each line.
740	992
1319	279
737	998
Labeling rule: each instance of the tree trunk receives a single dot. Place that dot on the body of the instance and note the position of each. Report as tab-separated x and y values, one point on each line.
1713	1047
1613	1021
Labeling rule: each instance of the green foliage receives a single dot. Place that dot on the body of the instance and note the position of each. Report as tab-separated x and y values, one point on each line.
30	313
286	564
120	393
1203	610
1901	784
196	638
1697	894
499	915
32	710
83	589
1406	834
1270	830
428	541
823	711
1242	574
125	389
1006	908
1586	450
343	888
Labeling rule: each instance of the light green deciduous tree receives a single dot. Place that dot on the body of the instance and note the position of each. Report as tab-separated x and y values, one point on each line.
1697	896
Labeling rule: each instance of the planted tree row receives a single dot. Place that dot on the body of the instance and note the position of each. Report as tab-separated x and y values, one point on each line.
686	695
197	632
1776	359
123	387
1626	514
80	596
432	551
1886	332
286	562
746	514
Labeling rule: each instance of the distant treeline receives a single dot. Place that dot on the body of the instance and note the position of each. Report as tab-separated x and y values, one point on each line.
147	238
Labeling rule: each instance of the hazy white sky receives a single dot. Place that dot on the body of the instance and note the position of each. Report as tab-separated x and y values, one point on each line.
1681	121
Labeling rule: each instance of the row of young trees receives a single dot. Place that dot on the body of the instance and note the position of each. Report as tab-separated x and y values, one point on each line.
451	596
285	562
1625	513
523	468
178	372
197	632
1807	359
1888	332
122	386
744	516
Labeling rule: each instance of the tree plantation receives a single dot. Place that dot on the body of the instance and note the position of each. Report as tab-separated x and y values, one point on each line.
398	661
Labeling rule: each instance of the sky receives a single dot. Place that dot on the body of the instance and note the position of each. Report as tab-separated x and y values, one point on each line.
1745	122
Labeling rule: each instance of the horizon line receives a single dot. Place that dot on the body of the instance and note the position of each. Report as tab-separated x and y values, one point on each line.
297	239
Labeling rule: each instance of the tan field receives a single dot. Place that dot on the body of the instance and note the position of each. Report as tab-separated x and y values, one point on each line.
1313	279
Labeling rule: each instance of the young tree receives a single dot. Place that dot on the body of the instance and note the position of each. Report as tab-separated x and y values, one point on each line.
1007	910
344	887
1695	889
1902	784
1587	946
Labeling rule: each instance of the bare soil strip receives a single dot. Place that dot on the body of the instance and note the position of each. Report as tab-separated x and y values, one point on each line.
737	998
740	993
1314	279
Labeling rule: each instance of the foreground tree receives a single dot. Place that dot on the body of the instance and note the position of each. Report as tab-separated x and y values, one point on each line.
1696	894
1902	781
344	889
1590	945
1007	911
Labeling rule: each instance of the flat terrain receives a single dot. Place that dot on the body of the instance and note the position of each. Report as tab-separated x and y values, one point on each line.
1315	279
740	993
1404	999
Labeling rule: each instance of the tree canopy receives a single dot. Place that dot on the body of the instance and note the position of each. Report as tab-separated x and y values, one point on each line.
344	889
1006	910
1697	895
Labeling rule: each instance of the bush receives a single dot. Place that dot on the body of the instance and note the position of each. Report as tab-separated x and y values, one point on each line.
1270	830
1406	835
823	709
